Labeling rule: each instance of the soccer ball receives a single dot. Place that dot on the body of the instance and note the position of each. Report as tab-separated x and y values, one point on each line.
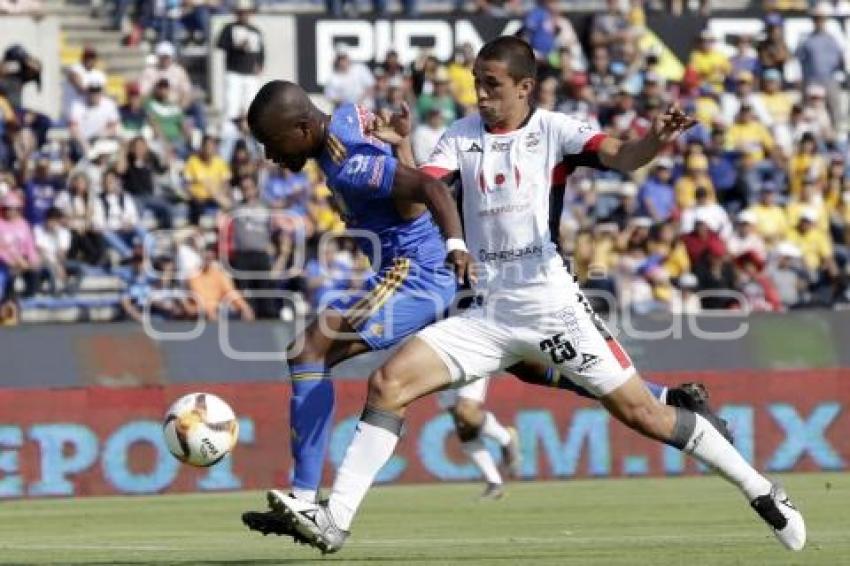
200	429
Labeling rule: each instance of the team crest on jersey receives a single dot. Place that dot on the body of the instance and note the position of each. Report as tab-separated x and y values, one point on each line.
532	139
474	148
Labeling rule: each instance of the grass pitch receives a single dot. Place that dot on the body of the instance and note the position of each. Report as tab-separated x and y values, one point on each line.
692	521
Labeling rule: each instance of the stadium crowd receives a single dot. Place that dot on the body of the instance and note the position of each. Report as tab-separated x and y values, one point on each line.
752	205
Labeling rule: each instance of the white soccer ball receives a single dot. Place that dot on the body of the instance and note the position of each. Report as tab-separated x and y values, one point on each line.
200	429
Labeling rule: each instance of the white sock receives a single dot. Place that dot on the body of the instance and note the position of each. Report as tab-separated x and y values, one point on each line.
494	429
482	459
305	494
370	449
709	447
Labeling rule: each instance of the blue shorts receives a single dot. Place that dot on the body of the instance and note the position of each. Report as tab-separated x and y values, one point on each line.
401	299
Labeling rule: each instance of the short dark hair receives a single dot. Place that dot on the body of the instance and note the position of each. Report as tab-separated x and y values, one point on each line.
513	51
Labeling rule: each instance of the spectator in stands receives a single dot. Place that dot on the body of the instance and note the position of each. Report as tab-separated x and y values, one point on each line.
213	291
816	250
694	177
771	219
95	117
167	119
53	241
116	217
440	98
196	19
426	134
136	298
776	101
17	69
349	82
744	59
77	205
540	30
806	162
208	176
40	192
600	79
656	196
822	61
251	228
77	79
759	293
139	167
746	239
244	52
787	275
753	141
773	50
701	241
18	254
818	114
134	117
810	199
709	62
743	93
180	90
611	30
708	211
242	164
462	81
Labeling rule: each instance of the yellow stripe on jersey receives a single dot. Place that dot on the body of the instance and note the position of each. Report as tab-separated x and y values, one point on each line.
336	149
375	299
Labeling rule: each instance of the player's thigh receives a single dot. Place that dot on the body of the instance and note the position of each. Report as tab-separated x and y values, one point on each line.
471	346
414	371
573	340
329	339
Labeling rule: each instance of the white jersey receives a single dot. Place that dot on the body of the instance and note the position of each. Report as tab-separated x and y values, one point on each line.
506	180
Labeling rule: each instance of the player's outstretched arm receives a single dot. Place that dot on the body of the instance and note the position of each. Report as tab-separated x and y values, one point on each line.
414	185
628	156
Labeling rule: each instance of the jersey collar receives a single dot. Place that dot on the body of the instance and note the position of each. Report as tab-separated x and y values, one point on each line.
524	123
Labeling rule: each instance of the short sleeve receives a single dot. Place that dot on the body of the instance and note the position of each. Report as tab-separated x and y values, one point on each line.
574	136
367	175
443	159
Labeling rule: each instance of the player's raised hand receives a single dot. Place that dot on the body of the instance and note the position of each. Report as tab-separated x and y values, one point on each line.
459	261
666	127
390	127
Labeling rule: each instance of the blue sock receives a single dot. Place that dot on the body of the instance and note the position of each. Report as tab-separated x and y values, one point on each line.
311	419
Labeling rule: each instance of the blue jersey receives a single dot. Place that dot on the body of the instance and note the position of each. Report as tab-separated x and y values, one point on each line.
360	170
411	286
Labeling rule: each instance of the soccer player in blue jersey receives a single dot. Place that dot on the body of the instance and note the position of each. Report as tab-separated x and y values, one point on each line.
416	271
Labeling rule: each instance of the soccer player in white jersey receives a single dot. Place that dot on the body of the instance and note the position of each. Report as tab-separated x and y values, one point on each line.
506	157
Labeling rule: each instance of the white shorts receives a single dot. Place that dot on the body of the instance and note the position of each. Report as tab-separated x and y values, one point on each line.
550	323
474	391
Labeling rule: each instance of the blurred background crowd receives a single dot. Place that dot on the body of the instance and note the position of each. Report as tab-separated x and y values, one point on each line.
148	196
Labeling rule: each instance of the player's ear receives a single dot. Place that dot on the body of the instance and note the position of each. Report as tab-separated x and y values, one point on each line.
526	87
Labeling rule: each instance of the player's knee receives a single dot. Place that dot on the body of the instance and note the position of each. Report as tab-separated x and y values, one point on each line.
385	390
468	414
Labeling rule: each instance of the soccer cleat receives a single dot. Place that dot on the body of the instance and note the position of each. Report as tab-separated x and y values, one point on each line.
782	518
694	397
313	521
492	492
272	523
511	454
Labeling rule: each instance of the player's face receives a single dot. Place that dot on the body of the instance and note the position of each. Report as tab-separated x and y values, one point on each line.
499	95
287	148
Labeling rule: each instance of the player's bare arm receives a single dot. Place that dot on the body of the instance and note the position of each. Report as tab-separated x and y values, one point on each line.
628	156
414	185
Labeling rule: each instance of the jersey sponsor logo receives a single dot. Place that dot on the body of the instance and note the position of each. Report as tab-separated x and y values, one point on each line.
588	361
377	172
511	255
499	179
357	165
474	147
501	146
506	209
